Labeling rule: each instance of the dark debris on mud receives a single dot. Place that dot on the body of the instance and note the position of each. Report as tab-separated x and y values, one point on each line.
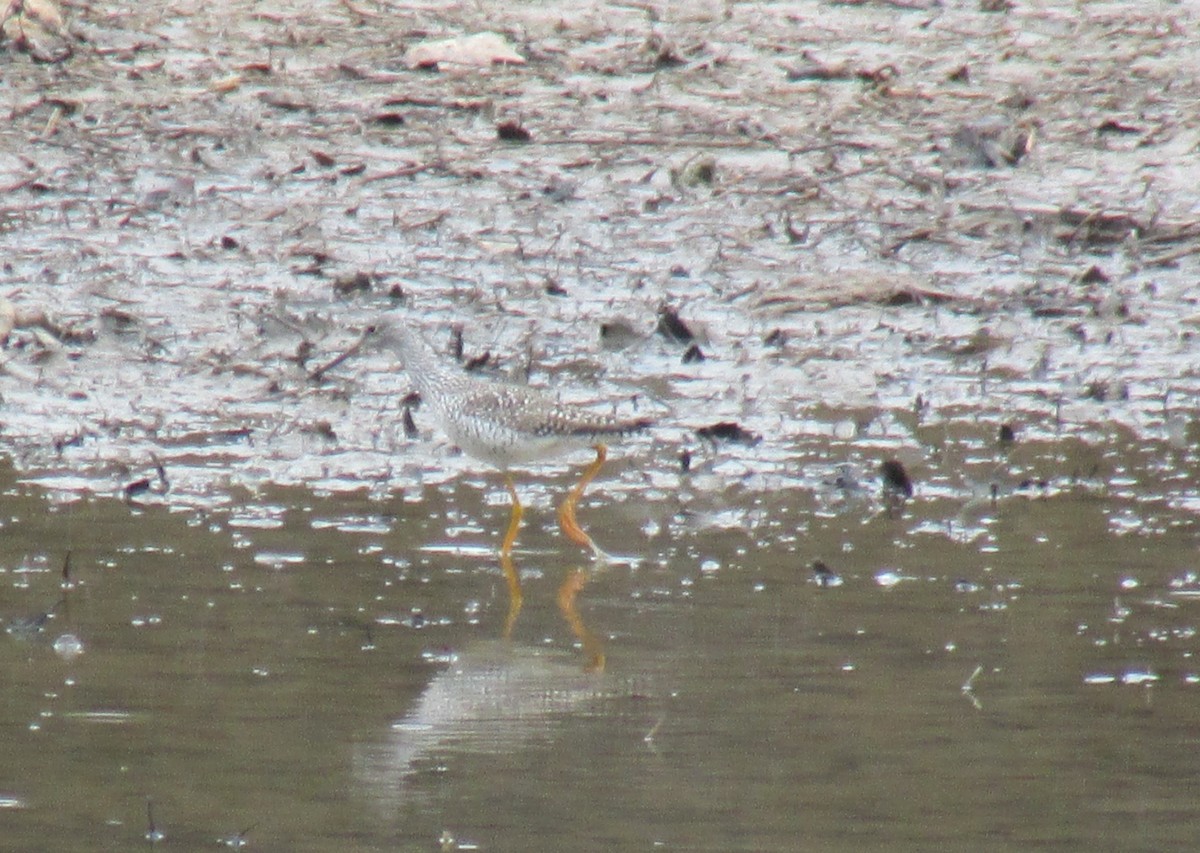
844	205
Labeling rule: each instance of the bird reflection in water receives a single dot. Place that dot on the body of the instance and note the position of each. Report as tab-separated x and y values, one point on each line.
568	592
494	696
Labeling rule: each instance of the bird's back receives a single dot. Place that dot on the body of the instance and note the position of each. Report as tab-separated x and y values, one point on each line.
498	422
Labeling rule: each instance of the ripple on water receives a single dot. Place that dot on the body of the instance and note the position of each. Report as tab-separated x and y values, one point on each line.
255	522
108	718
371	524
891	577
279	559
1135	677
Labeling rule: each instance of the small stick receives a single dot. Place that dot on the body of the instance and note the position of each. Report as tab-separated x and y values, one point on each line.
316	374
968	688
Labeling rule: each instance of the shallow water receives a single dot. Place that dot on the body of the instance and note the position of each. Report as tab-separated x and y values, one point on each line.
337	676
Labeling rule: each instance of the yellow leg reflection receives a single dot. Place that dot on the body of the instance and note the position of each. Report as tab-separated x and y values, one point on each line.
566	513
568	594
514	523
515	598
593	649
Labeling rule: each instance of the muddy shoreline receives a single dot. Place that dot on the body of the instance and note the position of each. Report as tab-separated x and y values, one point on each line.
857	208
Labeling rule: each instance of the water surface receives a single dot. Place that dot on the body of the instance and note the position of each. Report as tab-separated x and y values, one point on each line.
346	677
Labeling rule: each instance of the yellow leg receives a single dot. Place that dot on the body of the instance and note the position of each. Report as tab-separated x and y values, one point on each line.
566	512
514	523
567	593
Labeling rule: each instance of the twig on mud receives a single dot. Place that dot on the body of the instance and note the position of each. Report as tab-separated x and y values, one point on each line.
906	5
163	483
474	105
21	184
602	141
359	11
181	131
1174	234
403	171
16	372
426	224
913	236
159	486
317	373
356	73
1168	258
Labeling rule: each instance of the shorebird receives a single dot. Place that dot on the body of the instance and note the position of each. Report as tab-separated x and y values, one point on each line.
507	425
